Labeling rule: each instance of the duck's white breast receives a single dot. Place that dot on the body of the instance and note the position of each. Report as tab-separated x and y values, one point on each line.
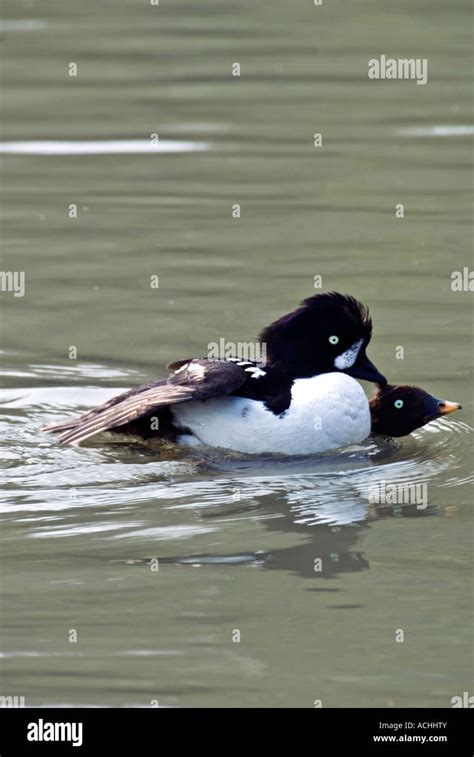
326	412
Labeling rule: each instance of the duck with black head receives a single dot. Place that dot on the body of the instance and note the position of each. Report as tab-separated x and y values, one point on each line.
328	332
313	355
397	410
304	401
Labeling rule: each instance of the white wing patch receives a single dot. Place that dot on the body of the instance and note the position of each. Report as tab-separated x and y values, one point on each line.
253	369
196	371
256	372
348	358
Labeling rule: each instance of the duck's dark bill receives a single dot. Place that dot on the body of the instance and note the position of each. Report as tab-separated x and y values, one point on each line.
365	370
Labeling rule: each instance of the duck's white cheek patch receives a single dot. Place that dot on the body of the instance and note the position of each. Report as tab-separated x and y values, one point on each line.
348	358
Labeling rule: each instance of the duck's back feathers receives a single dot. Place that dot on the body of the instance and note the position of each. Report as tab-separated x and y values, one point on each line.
191	380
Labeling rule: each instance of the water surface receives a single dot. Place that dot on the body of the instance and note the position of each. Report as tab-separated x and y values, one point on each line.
237	539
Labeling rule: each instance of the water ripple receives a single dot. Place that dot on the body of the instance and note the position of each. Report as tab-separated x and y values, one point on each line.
63	483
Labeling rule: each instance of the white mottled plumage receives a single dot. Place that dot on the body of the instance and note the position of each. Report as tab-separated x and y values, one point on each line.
348	358
326	412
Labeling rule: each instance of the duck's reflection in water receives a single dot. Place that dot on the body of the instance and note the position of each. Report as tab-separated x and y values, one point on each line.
332	521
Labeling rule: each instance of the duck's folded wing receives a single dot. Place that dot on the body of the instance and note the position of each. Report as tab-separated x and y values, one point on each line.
192	380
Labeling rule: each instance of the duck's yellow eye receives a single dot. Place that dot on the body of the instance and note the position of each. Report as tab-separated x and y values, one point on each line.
333	339
398	404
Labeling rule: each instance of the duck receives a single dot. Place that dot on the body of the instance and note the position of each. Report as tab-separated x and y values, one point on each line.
398	410
313	356
326	412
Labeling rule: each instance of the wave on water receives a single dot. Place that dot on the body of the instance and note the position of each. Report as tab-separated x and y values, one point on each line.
453	130
100	147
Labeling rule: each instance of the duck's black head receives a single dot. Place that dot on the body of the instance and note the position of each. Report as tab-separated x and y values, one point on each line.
399	410
328	332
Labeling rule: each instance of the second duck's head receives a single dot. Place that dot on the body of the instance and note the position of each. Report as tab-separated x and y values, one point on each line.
399	410
328	332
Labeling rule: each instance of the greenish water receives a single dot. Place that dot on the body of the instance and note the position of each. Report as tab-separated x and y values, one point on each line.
236	538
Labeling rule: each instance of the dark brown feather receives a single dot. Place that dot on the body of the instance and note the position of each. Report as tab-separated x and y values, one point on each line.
194	380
